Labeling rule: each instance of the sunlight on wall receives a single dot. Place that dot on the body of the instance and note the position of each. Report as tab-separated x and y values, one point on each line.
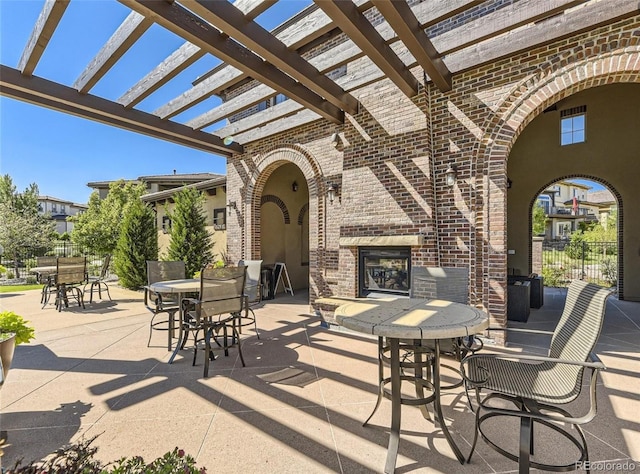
464	120
409	187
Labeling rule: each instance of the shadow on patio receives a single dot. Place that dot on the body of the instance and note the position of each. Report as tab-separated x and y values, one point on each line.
298	406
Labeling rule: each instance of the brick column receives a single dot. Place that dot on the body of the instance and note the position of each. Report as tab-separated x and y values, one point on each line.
536	255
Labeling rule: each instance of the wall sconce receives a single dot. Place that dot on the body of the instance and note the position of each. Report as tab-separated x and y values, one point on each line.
294	186
451	174
232	205
332	192
509	183
335	139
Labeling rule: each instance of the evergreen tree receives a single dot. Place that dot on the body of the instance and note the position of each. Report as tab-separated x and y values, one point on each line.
137	243
190	240
538	219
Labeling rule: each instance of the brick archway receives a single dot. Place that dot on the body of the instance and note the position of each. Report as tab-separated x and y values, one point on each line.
265	164
618	62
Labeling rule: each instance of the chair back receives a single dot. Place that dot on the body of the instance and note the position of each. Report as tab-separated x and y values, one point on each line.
579	327
446	283
104	272
252	285
71	270
46	261
164	271
221	290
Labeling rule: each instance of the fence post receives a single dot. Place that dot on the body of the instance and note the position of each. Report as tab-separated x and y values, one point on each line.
584	256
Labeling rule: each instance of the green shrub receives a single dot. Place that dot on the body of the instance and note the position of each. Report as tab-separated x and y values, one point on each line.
10	322
78	458
3	270
553	276
31	280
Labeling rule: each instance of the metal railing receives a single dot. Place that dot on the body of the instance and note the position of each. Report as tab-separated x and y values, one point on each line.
61	248
563	261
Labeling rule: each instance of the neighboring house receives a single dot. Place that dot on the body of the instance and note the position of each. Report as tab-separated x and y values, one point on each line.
59	210
566	205
156	183
215	208
606	203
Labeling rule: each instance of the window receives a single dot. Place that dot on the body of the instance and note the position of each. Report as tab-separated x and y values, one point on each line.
54	208
63	209
573	125
545	202
166	224
220	219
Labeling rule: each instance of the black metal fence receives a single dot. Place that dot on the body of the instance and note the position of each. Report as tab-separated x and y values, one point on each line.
61	248
563	261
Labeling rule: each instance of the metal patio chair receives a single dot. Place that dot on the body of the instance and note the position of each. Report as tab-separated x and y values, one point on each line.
71	273
252	291
538	386
98	282
159	303
46	279
216	312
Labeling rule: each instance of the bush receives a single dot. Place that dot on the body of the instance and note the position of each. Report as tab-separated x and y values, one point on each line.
78	458
553	276
3	270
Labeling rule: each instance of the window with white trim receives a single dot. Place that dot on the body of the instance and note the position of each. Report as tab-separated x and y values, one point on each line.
573	125
220	219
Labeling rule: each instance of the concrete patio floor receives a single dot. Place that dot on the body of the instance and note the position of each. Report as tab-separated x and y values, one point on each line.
297	406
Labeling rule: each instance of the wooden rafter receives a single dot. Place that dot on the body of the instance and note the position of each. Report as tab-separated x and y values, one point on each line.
406	25
231	21
181	59
131	29
347	17
184	23
67	99
43	30
300	33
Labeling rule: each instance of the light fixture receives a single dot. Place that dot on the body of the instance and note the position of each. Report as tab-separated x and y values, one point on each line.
509	183
294	186
451	174
335	139
232	205
332	192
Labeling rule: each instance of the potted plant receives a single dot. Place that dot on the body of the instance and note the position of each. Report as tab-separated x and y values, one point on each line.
14	330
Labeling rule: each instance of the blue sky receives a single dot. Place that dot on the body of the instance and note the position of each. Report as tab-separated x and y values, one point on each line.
62	153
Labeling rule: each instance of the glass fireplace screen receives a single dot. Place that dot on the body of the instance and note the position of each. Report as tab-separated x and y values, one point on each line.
385	270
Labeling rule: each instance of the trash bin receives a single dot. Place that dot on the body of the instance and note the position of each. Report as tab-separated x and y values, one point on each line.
518	301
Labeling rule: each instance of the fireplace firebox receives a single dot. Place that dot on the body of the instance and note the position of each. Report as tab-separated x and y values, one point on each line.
385	270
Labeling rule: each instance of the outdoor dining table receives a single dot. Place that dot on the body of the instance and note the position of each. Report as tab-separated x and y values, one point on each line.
180	288
398	319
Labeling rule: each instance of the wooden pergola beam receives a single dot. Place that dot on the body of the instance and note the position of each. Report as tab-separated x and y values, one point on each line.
182	58
232	22
180	21
41	34
347	17
406	25
56	96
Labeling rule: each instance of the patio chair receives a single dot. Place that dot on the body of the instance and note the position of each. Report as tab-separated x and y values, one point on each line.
159	303
217	310
253	292
538	386
71	273
45	278
98	282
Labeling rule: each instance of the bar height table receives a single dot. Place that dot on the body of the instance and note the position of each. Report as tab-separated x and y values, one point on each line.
409	318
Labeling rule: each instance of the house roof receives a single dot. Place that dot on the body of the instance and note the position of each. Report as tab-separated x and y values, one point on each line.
376	40
179	178
603	196
220	180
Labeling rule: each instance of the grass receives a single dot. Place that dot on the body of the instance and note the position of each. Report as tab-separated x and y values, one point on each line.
14	288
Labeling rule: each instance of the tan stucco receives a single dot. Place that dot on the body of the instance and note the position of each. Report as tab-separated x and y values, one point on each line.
610	154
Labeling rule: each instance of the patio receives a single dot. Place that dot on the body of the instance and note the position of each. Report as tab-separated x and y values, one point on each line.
298	406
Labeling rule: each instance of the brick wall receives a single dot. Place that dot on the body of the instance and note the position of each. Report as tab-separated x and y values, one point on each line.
396	150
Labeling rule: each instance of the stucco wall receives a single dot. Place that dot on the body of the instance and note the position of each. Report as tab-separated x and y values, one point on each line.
610	154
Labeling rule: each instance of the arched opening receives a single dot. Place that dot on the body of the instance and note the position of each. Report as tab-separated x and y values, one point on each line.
284	223
577	220
542	163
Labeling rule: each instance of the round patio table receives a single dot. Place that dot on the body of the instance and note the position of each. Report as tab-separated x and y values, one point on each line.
409	318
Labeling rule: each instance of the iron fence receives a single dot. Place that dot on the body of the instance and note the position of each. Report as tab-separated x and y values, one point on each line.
62	248
563	261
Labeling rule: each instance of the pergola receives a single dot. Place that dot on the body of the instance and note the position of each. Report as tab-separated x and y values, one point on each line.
375	40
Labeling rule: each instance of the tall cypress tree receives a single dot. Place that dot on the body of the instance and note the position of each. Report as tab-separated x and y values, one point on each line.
137	243
190	239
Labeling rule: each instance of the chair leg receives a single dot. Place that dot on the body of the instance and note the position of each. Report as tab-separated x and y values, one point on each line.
380	380
525	444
